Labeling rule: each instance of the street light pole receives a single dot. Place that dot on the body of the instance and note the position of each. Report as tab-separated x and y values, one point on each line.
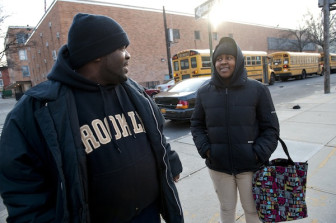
210	43
167	45
326	68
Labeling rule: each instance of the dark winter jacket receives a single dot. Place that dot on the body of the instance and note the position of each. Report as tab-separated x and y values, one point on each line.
236	121
43	175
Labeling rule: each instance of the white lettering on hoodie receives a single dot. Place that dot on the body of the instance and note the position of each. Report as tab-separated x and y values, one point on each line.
98	132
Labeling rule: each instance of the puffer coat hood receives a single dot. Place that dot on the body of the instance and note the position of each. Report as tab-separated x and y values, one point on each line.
239	75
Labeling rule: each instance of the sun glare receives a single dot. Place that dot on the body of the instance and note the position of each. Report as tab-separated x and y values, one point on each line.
218	14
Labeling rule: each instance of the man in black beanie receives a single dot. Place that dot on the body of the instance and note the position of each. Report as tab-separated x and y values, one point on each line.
237	135
87	145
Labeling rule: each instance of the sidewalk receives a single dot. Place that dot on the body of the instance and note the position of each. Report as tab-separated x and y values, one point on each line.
310	134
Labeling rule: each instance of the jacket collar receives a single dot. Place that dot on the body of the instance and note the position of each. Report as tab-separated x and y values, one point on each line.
45	91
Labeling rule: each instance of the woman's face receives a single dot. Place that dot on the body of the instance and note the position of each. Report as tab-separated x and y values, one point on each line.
225	65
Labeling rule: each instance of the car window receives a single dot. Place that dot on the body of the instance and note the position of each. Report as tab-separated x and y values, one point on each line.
188	85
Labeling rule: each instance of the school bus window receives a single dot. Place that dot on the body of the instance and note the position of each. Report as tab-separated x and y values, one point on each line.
206	62
193	62
277	61
253	60
258	61
248	61
176	66
286	61
184	64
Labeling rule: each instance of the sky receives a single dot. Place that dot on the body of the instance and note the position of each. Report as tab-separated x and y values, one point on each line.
282	13
276	13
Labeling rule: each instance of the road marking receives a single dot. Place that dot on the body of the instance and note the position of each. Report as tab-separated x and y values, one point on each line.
324	162
214	218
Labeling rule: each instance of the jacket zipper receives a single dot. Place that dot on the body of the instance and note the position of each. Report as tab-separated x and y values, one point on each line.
227	128
165	153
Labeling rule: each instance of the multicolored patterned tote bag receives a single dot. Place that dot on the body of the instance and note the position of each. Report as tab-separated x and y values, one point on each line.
279	189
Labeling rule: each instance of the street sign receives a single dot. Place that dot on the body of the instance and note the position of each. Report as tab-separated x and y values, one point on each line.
321	3
204	8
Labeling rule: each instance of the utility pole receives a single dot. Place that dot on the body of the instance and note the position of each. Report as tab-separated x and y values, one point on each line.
167	45
210	43
326	13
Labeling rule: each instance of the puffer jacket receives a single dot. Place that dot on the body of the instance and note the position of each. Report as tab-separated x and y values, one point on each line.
237	122
43	176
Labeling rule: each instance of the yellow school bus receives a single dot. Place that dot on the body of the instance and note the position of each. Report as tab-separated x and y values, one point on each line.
255	62
191	63
295	64
195	63
332	62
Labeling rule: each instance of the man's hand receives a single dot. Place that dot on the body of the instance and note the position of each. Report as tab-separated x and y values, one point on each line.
176	178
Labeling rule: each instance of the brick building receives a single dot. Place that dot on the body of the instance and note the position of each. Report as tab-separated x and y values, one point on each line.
17	59
145	28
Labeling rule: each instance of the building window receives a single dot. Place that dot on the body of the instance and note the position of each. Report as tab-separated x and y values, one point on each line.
1	83
0	74
23	54
176	33
197	34
21	38
25	71
54	55
215	36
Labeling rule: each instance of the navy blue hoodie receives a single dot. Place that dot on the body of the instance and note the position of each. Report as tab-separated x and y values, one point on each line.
121	166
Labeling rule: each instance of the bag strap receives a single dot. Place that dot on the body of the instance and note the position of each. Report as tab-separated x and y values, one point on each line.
284	147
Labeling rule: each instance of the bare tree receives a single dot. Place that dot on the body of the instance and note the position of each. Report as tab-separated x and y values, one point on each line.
315	29
297	39
2	34
16	41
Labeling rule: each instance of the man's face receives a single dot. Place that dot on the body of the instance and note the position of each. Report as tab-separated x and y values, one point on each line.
225	65
114	67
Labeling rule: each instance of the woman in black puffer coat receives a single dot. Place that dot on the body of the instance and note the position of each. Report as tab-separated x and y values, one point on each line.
235	128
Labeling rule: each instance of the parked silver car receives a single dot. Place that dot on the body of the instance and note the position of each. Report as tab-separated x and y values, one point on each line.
165	86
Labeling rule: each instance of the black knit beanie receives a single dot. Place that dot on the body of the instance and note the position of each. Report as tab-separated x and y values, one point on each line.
226	46
93	36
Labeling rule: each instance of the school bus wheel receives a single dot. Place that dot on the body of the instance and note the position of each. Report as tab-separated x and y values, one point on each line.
304	74
272	79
